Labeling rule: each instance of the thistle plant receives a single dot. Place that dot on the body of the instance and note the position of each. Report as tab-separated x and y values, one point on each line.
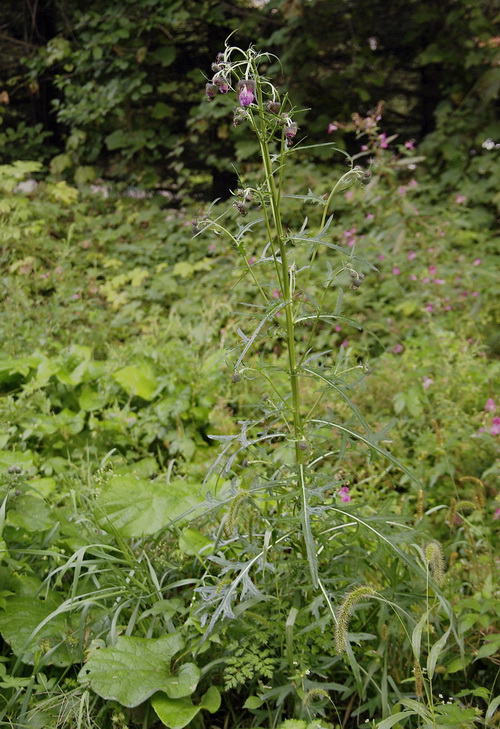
293	465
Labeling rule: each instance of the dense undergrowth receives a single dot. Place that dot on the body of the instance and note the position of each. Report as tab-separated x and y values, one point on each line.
134	588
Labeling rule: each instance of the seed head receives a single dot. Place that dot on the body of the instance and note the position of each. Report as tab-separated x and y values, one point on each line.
435	559
344	614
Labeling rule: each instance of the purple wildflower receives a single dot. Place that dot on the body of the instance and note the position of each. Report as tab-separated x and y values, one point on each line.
246	89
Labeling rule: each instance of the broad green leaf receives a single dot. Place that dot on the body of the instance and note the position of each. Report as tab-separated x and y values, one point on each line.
293	724
42	487
90	399
135	507
31	513
185	683
178	713
253	702
21	459
19	623
137	381
132	670
193	542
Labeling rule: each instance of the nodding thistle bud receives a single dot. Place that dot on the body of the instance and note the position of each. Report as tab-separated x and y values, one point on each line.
290	131
239	116
221	83
235	377
366	177
211	91
357	279
245	194
246	90
241	208
273	107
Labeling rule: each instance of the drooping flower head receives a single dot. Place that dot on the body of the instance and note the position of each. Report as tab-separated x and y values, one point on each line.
246	91
211	91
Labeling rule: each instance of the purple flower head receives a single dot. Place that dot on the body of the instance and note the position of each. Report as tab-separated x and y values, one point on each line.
410	144
332	127
411	255
490	406
427	382
211	91
495	427
246	90
221	83
290	130
344	494
398	348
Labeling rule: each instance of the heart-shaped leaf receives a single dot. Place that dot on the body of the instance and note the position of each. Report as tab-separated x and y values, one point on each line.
132	670
136	507
178	713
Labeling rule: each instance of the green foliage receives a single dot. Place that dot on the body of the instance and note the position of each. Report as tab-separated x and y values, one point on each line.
123	355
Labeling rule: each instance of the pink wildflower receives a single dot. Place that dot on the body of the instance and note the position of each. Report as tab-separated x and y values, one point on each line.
495	427
276	294
460	199
369	216
383	140
477	262
475	293
496	514
427	382
412	255
344	494
413	277
398	348
251	261
429	308
337	327
410	144
349	195
345	343
381	257
332	128
439	281
396	271
432	270
490	406
402	190
413	183
364	148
